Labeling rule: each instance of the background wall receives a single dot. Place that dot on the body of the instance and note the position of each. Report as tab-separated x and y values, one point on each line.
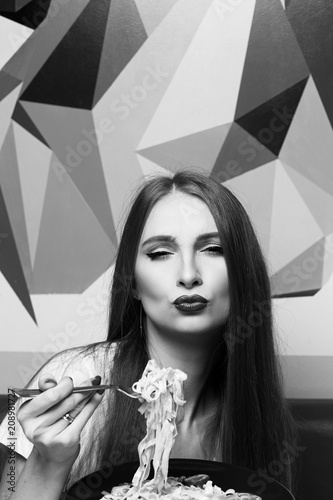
95	96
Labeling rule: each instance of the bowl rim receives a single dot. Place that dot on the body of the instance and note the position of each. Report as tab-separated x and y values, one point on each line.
203	465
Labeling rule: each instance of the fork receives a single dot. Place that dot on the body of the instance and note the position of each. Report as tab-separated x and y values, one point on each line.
32	393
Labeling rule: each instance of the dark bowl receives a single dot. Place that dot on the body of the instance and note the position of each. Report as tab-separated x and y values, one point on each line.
224	475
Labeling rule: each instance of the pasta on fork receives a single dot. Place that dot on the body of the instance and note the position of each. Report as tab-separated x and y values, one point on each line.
161	393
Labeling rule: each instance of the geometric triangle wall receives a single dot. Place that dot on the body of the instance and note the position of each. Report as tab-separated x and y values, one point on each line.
131	88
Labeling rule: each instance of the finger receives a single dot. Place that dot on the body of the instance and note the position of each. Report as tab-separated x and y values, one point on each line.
79	407
75	429
46	381
79	399
61	423
48	399
66	405
95	381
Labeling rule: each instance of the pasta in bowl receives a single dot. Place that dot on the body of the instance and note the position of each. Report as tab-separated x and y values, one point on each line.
162	395
175	489
160	391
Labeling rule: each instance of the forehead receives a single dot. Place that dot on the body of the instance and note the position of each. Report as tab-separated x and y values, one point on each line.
179	214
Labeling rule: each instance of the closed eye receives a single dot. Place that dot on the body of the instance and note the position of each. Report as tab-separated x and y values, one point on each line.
158	255
215	250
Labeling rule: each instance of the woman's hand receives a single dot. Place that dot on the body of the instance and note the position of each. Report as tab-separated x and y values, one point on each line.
55	439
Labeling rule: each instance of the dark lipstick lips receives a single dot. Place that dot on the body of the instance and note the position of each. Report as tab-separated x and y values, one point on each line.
189	299
189	303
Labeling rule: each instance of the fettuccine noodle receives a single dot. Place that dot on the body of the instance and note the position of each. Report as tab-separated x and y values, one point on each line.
161	394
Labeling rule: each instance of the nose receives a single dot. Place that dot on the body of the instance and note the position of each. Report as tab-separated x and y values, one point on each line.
189	275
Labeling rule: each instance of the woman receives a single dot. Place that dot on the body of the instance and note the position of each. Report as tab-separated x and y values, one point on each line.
190	289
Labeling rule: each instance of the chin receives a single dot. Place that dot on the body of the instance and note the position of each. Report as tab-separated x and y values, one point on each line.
196	331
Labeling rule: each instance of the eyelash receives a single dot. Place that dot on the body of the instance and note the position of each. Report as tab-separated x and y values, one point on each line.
156	255
215	250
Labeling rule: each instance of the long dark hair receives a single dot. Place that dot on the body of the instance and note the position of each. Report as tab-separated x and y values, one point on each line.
252	426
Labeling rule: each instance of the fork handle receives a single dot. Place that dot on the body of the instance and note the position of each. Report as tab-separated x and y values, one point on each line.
32	393
89	388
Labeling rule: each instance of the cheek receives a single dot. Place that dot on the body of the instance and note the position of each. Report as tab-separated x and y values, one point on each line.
149	284
222	305
220	281
225	287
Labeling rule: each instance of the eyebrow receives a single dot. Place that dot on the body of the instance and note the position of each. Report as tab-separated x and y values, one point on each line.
166	238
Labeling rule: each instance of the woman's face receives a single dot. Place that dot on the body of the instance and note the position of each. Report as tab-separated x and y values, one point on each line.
180	257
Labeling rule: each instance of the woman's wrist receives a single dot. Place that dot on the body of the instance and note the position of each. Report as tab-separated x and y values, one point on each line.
41	478
58	468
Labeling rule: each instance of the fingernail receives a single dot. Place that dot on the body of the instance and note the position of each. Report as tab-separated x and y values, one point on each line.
71	379
96	380
101	391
